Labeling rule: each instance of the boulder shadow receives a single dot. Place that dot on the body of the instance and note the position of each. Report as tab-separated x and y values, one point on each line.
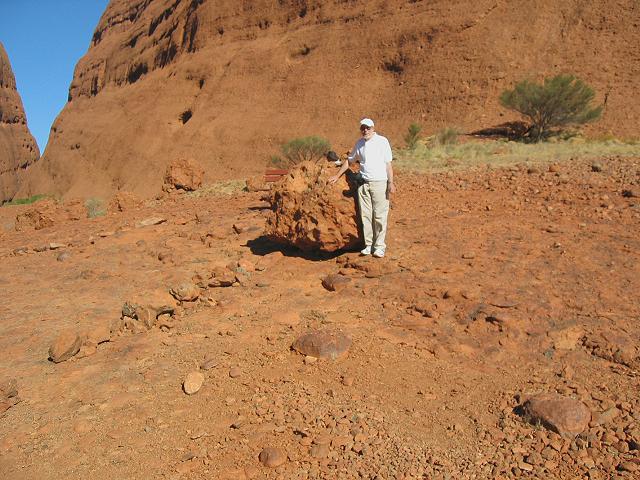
263	245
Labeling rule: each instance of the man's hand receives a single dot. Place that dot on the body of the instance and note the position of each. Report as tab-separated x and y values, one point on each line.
391	187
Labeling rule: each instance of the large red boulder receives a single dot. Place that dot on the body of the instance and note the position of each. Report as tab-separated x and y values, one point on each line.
311	214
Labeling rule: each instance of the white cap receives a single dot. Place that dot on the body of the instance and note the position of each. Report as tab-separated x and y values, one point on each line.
366	121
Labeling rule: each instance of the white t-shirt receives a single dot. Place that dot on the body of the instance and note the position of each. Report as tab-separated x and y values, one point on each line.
373	154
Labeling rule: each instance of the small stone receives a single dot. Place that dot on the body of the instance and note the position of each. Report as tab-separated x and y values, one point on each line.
98	334
185	292
628	467
62	256
272	457
605	417
319	451
347	381
209	363
222	277
335	283
56	246
147	222
322	344
193	382
64	347
235	372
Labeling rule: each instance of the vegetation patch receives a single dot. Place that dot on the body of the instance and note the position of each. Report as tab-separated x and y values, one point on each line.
551	106
95	207
223	188
429	155
304	149
26	201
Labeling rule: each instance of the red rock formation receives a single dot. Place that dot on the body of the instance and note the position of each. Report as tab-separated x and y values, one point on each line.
311	214
18	148
227	82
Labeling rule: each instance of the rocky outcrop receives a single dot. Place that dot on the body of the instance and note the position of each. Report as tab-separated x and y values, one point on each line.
309	213
18	148
227	82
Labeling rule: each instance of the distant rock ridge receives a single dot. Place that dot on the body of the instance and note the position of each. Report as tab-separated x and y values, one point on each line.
226	82
18	148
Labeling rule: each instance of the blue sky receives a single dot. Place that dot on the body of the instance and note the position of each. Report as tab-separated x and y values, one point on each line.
44	40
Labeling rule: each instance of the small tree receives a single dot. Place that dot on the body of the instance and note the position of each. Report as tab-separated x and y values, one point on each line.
559	101
305	148
412	135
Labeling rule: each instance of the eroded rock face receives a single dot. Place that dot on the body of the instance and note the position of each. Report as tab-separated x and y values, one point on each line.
311	214
226	84
18	148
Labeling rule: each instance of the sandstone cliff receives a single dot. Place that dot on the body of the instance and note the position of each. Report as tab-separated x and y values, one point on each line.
18	148
225	82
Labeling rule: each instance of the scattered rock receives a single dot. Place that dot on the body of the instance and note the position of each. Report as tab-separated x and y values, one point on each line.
8	395
222	277
38	217
563	415
272	457
335	283
347	381
183	174
322	344
567	338
185	292
209	363
147	222
257	184
193	382
97	335
62	256
64	347
235	372
124	201
56	246
319	451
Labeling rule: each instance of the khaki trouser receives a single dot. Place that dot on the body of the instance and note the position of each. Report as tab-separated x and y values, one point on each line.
374	207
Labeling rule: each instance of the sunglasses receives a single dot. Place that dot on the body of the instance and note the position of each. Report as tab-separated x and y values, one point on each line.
364	127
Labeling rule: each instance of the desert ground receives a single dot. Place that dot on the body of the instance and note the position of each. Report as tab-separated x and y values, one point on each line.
499	284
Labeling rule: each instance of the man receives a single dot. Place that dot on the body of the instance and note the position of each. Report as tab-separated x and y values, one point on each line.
373	151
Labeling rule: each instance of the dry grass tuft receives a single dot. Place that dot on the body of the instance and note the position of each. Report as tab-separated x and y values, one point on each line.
432	156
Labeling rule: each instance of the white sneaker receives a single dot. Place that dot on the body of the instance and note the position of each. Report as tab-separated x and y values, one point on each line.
379	253
366	250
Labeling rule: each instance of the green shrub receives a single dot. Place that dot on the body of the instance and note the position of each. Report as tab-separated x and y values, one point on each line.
305	149
26	201
557	102
446	136
95	208
412	136
276	161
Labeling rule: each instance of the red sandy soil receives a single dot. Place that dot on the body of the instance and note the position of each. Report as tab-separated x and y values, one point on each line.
497	284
